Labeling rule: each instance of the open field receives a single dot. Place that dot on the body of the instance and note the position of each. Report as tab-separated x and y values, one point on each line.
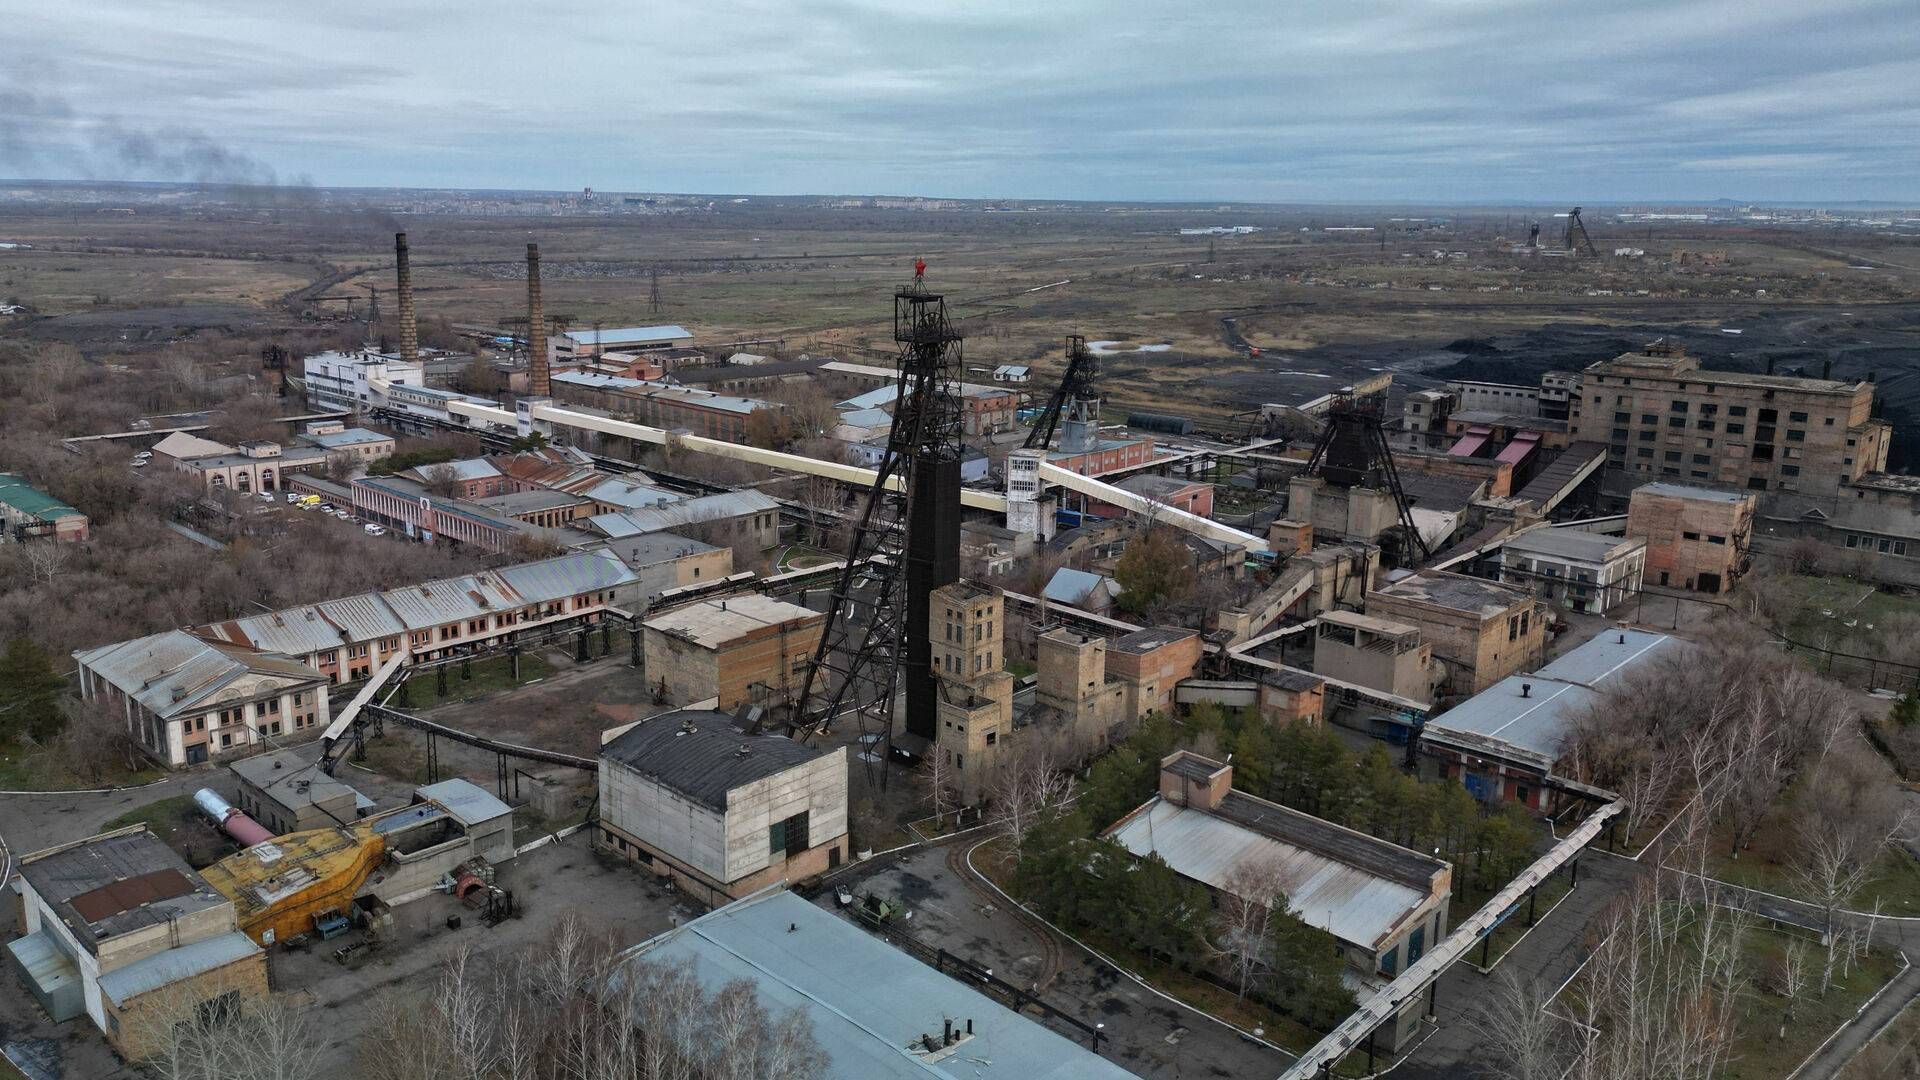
815	274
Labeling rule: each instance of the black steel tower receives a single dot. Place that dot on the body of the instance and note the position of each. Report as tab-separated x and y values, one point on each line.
1353	452
1076	385
906	543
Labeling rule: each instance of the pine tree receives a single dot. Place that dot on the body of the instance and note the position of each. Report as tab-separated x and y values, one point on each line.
30	692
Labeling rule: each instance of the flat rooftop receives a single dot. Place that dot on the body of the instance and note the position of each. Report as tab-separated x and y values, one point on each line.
116	883
1571	544
714	623
1457	591
1689	491
869	1004
1141	642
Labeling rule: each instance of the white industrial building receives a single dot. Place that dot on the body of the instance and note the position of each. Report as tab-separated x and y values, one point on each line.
338	380
1582	571
719	808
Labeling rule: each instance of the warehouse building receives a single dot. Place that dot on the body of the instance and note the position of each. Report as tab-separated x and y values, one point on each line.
27	513
722	810
1383	904
1482	631
875	1012
1699	539
286	793
1582	571
120	928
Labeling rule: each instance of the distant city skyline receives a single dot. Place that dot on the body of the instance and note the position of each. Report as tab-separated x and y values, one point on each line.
1486	102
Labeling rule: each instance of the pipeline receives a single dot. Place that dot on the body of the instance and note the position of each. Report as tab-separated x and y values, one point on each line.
244	830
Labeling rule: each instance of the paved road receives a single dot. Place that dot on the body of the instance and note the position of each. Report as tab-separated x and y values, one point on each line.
1861	1030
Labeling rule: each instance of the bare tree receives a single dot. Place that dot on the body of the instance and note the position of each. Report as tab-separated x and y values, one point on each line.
941	795
442	480
1525	1041
1790	981
183	1035
1851	817
95	741
1029	785
1250	896
46	560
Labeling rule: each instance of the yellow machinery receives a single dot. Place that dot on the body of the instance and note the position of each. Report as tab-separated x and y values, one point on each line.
280	887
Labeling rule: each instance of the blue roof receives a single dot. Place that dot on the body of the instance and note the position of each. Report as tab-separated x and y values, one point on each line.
872	399
1070	586
164	969
867	1002
866	418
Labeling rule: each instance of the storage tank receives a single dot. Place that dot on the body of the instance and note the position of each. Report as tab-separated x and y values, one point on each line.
242	828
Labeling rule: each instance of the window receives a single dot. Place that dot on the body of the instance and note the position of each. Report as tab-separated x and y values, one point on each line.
1513	628
1678	406
1390	961
1768	416
1828	421
1712	539
1736	410
788	838
1647	435
1736	429
1673	455
1796	435
1796	418
1691	535
1622	418
1649	418
1704	425
1789	470
992	737
1709	409
1702	459
1620	434
1676	421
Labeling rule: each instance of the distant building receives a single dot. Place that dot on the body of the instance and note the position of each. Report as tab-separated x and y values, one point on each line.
187	699
1193	496
744	650
1697	538
247	468
575	345
1661	415
1384	905
27	513
663	405
341	380
722	811
1582	571
358	444
1481	630
1504	398
745	520
1078	588
875	1012
120	928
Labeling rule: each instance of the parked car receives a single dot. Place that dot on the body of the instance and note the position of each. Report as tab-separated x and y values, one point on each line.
293	497
139	463
265	496
374	530
308	506
328	507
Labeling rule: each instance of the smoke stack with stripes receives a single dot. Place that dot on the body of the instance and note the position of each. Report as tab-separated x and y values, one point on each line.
538	384
409	332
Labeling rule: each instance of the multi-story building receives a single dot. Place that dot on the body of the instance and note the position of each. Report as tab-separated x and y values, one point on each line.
1696	538
663	405
339	380
664	561
1149	664
188	698
1585	571
1661	416
1557	389
1482	631
974	725
744	650
1074	694
356	444
722	810
119	927
347	639
404	505
1506	398
745	520
247	468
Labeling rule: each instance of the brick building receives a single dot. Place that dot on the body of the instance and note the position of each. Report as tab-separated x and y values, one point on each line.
974	703
1697	538
1660	415
1376	653
1149	663
1482	631
743	650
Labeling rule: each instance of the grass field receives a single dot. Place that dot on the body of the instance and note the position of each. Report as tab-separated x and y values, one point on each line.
1823	606
1762	1052
34	769
58	282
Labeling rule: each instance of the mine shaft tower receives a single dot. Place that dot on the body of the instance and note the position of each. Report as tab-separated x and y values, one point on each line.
1353	452
905	544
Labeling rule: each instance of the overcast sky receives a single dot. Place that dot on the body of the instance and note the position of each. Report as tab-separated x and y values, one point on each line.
1446	100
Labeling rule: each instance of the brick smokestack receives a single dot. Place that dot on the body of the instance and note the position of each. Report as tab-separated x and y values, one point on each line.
538	384
409	332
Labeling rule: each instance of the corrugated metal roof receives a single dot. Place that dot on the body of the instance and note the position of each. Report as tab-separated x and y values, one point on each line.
1070	586
872	399
465	469
867	1003
1533	723
697	753
1688	491
632	494
712	623
164	969
174	671
361	618
669	516
1601	660
449	599
354	436
1573	544
60	875
465	801
294	631
1347	902
30	500
567	575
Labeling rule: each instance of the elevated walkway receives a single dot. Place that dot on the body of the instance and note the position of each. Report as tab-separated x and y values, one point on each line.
1557	481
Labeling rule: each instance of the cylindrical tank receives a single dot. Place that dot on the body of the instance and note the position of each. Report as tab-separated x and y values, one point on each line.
246	831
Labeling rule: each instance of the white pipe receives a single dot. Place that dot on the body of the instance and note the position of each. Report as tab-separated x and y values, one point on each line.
1193	523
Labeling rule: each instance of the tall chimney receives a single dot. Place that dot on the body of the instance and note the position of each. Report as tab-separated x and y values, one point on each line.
409	333
537	382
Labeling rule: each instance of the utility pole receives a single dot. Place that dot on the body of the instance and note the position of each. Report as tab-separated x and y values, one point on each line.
653	290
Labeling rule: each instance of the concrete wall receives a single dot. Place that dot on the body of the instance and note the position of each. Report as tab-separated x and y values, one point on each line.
655	815
1698	544
139	1025
1477	652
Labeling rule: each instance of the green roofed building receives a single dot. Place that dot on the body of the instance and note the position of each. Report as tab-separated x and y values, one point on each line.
27	513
